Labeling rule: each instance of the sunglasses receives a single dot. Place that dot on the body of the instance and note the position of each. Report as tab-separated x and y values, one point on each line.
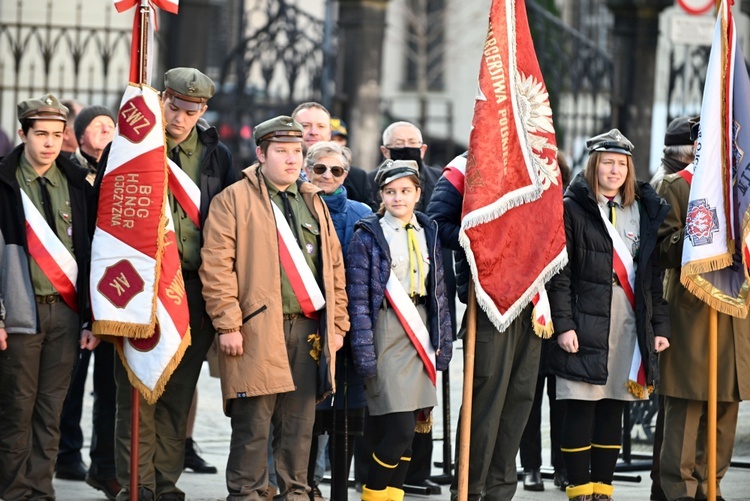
321	169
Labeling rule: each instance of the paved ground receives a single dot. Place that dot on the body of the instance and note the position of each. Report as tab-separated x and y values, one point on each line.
212	433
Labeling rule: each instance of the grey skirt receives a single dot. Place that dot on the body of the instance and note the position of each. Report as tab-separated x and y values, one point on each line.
401	383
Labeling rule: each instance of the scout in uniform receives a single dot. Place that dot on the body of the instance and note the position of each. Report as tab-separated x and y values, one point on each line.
201	163
273	280
395	261
44	255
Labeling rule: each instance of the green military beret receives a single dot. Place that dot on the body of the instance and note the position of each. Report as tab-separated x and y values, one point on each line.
612	141
282	129
47	107
189	88
390	170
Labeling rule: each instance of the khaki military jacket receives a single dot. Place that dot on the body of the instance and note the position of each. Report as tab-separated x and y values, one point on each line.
683	367
242	285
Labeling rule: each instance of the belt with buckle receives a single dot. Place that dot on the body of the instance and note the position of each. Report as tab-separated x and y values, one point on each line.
615	279
48	299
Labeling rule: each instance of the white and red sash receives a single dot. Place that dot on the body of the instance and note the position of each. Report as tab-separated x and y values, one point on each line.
687	173
186	192
53	258
624	268
412	323
300	275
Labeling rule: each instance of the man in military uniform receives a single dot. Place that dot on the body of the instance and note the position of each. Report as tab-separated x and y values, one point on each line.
44	259
273	280
208	164
683	368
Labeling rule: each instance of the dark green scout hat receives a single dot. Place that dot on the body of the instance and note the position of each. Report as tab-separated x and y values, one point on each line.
282	129
612	141
390	170
188	88
48	107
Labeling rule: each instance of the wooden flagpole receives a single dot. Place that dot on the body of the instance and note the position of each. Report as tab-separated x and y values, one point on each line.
713	334
713	323
465	430
135	407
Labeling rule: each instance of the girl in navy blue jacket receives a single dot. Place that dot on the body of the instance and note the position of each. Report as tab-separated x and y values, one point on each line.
394	279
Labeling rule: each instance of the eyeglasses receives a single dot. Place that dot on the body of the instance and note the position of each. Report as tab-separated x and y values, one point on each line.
408	144
321	169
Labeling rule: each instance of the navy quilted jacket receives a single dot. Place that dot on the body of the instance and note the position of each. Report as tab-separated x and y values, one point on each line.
367	270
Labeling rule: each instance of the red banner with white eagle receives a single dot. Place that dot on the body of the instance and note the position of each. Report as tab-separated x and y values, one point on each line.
137	290
512	224
716	249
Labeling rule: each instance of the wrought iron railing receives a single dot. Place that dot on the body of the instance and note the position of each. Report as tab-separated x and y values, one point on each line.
578	75
74	61
275	65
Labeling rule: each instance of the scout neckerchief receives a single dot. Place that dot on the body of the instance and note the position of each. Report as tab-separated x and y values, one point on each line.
624	268
300	275
53	258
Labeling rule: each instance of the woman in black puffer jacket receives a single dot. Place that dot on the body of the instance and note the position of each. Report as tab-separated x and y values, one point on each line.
609	314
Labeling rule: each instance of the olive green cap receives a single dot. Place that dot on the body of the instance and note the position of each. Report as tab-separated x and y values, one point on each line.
189	88
282	129
48	107
390	170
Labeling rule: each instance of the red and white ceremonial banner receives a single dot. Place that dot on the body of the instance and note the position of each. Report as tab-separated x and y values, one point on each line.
171	6
716	253
137	290
415	329
301	277
624	268
53	258
512	224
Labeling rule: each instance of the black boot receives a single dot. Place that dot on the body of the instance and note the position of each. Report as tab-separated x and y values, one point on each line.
193	461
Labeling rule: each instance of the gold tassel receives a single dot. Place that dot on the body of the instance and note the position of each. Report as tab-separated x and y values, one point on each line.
543	331
314	340
424	422
639	391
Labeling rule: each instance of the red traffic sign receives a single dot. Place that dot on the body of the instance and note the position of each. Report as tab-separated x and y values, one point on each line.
696	7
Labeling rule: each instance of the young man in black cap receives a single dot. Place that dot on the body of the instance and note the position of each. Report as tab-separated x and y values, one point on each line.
44	313
273	280
208	164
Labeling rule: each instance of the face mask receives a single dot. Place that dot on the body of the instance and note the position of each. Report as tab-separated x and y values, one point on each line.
407	154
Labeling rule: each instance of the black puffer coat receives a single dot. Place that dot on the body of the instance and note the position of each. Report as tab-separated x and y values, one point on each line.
581	295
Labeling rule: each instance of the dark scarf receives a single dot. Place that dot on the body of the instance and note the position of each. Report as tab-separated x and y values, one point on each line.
671	165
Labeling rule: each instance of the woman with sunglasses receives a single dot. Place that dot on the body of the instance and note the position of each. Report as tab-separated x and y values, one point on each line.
327	166
400	323
609	314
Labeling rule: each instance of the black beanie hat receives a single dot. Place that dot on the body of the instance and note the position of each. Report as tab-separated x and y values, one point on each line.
86	116
678	132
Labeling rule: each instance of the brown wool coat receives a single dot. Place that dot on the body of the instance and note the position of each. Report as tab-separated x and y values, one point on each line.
242	280
683	366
